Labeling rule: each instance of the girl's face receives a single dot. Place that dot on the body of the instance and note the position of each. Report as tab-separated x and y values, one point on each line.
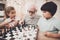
47	14
12	14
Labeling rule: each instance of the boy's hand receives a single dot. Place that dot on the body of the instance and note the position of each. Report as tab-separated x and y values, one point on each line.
8	20
52	35
9	25
47	34
21	22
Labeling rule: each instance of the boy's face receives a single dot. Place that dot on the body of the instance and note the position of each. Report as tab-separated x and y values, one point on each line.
47	14
12	14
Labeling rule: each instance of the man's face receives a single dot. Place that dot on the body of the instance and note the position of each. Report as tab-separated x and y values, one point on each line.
47	14
32	13
12	14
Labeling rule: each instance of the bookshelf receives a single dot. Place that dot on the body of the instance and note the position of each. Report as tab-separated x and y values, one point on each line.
2	7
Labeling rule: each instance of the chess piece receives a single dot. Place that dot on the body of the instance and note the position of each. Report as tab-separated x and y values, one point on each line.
5	32
0	32
11	32
19	27
14	29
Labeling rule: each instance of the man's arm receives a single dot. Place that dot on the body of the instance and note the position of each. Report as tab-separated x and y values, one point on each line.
53	35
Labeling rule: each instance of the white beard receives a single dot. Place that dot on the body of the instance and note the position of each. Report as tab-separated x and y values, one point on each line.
32	16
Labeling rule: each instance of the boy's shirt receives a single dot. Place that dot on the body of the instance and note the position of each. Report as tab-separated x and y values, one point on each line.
51	25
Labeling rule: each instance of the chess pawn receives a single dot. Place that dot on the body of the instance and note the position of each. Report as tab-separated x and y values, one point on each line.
20	27
8	34
11	32
24	36
0	32
20	36
33	26
29	27
25	28
17	30
14	29
4	35
8	38
14	32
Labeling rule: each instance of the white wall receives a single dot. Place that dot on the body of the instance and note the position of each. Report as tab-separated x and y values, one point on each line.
22	5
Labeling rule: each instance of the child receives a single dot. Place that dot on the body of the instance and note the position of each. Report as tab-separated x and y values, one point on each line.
49	26
10	14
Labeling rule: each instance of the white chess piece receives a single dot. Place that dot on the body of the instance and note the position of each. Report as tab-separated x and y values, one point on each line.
7	34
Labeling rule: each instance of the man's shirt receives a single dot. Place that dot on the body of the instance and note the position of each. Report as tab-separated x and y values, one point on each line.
30	20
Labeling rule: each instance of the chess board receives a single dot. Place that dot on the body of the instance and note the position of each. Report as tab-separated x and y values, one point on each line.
28	32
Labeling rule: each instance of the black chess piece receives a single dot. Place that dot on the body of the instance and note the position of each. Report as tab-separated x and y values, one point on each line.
14	29
24	24
33	26
0	32
5	32
19	27
11	32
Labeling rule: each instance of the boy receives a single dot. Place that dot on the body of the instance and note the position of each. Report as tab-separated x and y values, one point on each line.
48	25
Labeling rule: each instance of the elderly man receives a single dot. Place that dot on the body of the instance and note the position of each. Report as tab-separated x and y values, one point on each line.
32	17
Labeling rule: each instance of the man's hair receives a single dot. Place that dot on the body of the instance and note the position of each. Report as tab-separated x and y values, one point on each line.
50	7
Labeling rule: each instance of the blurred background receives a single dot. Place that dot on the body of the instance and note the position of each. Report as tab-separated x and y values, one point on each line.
21	6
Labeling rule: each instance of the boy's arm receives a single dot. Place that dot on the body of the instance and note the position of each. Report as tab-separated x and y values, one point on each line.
53	35
13	24
5	22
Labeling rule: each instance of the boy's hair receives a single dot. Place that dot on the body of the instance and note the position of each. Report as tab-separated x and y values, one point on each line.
50	7
7	10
